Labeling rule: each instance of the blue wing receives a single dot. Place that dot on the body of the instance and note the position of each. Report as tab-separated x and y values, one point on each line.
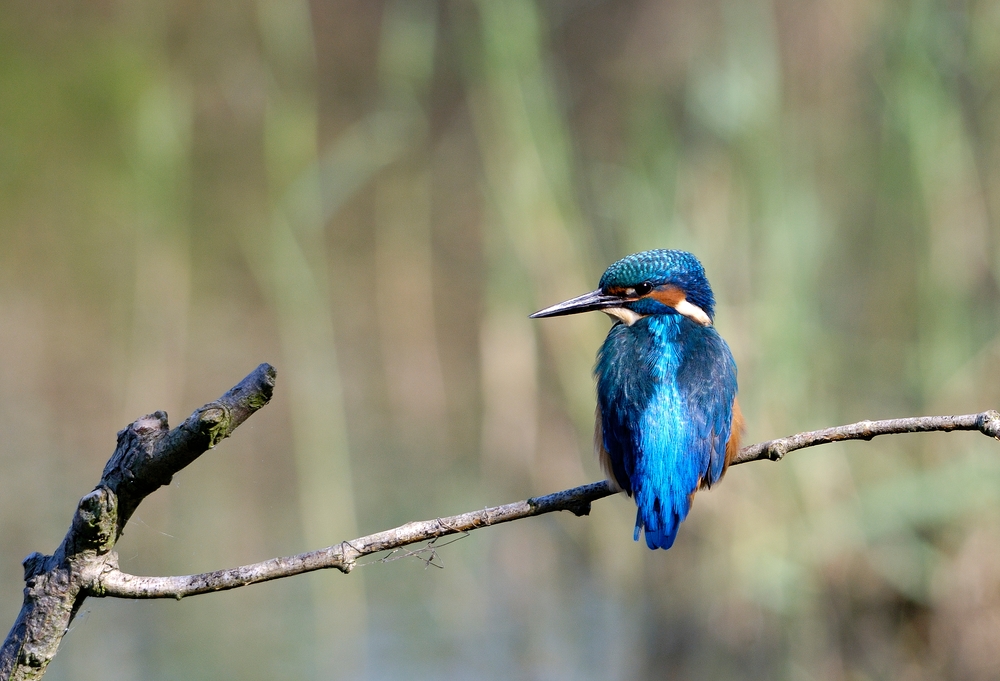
707	382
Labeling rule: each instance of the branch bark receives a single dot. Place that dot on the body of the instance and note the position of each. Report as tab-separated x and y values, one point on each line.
148	455
987	422
343	556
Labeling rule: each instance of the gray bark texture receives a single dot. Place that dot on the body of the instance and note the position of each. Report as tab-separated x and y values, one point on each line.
148	454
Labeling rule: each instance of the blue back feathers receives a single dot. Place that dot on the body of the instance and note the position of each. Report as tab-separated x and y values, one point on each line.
666	387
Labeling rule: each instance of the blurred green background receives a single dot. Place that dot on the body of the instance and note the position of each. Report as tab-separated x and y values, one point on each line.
372	196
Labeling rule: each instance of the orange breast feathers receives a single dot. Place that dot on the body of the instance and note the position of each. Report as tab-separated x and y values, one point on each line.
736	428
736	431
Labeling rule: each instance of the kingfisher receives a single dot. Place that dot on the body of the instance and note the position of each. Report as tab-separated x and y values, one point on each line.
668	423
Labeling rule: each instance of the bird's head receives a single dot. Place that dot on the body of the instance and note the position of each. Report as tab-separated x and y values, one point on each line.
657	282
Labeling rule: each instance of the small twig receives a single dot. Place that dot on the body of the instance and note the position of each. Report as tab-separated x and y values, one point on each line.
431	547
343	556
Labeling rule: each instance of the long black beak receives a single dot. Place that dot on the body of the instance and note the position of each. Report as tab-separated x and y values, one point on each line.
595	300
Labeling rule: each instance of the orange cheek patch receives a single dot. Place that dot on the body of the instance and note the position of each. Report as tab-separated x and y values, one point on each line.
668	295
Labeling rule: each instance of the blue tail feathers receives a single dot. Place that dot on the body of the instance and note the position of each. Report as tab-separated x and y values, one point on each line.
660	529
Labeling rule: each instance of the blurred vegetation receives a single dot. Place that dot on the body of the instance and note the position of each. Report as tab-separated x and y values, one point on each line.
374	195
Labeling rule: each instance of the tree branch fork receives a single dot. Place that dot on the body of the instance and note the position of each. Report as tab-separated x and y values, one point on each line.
148	454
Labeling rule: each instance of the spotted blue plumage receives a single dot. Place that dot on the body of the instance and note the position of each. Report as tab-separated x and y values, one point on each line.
667	418
663	266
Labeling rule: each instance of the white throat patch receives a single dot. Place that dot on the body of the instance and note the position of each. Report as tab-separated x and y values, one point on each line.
689	310
624	314
692	311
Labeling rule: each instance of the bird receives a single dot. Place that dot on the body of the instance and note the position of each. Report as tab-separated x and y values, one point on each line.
668	422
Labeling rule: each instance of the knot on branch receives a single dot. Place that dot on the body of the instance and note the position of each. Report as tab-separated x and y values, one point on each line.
34	658
215	422
989	423
348	557
775	450
34	564
94	522
136	445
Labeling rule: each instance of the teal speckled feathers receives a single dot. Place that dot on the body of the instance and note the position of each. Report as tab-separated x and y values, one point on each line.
667	421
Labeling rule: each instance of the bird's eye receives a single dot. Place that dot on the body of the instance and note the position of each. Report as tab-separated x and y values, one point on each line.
643	288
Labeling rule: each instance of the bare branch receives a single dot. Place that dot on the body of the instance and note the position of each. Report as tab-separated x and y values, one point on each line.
147	456
988	423
342	556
